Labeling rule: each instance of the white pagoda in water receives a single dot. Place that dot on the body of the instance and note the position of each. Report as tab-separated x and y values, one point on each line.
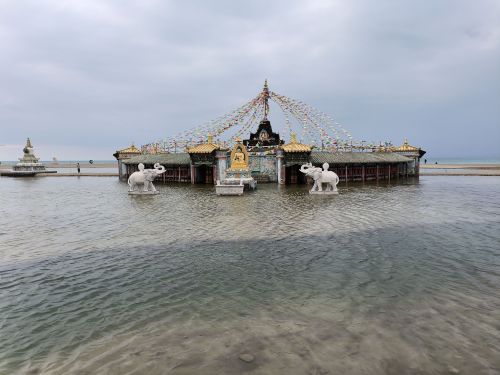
28	165
29	162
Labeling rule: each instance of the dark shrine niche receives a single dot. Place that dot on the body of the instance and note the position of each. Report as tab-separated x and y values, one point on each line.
264	136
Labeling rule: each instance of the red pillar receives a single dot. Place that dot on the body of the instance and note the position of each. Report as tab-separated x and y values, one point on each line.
193	174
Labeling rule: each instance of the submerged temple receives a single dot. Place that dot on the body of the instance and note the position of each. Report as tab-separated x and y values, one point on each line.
207	162
268	157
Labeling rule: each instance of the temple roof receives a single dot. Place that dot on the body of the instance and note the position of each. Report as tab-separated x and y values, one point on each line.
320	157
130	150
204	148
295	146
406	147
317	157
164	159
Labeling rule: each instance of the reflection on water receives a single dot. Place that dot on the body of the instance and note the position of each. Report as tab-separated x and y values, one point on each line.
399	278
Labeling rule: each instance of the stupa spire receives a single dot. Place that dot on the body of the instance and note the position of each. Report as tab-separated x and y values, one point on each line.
265	96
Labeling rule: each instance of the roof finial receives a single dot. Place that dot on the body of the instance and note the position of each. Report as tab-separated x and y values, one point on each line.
28	143
293	137
265	95
210	138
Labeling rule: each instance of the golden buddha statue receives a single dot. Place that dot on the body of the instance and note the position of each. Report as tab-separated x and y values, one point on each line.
239	156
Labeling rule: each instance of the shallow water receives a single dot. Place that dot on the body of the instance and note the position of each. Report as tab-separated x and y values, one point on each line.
85	170
381	279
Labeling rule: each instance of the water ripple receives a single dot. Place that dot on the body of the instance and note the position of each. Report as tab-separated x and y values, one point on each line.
412	268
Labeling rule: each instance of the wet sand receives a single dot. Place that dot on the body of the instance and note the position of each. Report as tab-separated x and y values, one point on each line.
428	339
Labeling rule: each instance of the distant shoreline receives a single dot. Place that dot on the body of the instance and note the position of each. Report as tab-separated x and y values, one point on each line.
69	169
73	174
475	169
463	169
472	174
460	166
8	165
82	165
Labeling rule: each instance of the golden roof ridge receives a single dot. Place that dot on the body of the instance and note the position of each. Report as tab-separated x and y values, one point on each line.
295	146
130	150
204	148
406	147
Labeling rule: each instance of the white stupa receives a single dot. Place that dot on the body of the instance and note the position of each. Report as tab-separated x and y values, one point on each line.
28	165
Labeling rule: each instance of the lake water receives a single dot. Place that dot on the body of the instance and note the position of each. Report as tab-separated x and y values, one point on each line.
380	279
85	170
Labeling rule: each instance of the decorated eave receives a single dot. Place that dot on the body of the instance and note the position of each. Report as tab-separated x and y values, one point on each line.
406	147
163	158
295	146
409	149
130	150
204	148
127	152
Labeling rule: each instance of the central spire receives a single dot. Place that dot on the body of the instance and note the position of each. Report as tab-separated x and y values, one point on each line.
265	95
264	136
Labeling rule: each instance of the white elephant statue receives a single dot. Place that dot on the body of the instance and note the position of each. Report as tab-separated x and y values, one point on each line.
145	177
320	177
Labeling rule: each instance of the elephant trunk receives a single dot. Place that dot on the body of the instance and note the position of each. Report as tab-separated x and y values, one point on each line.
305	168
159	168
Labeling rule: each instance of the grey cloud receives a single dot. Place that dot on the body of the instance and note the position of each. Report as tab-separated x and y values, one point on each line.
99	74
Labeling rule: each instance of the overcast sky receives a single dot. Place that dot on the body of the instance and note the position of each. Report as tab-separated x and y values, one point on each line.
85	78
